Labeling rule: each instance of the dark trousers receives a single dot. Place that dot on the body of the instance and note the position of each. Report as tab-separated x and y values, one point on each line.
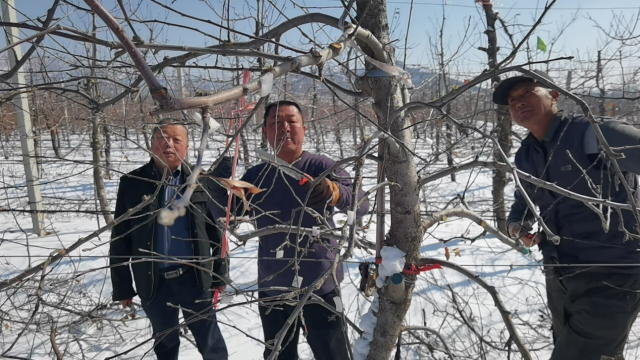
592	313
324	329
198	313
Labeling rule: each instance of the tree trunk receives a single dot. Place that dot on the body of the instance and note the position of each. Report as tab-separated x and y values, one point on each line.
98	181
502	128
337	131
37	140
55	140
4	150
449	136
405	231
600	85
107	151
314	119
437	125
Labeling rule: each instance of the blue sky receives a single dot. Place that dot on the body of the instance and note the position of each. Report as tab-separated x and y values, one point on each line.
581	38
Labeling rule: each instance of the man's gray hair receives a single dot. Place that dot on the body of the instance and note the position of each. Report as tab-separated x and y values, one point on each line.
547	92
168	121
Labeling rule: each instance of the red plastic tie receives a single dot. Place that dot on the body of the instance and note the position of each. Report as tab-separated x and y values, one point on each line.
379	260
414	270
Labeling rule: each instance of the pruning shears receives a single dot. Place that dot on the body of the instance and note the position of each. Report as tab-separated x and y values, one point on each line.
130	311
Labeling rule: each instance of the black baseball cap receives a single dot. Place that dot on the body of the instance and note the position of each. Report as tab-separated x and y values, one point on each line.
501	94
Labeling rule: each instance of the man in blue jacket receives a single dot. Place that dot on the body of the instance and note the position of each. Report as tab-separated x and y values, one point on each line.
288	261
593	273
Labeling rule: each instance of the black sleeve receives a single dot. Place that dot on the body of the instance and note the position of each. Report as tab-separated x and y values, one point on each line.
220	266
120	249
218	198
520	212
619	134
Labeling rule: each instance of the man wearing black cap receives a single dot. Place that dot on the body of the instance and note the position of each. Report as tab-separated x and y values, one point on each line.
593	273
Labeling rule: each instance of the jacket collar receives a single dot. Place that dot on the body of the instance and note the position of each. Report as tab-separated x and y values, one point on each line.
557	120
152	171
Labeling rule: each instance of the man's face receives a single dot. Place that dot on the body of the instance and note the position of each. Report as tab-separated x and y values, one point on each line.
529	104
170	144
285	132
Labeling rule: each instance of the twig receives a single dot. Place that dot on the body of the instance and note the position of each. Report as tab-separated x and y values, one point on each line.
526	37
443	215
158	92
506	315
60	254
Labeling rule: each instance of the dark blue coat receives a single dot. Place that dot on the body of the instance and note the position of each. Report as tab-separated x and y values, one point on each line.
560	158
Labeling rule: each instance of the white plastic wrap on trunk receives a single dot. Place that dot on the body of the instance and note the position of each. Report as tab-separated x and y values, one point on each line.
351	215
392	262
266	84
403	76
213	124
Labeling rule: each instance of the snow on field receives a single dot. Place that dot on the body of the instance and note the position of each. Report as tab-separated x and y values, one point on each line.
80	285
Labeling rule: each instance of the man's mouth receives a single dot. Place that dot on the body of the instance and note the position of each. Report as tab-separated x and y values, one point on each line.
524	111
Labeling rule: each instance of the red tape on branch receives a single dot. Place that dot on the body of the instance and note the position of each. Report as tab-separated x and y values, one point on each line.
414	270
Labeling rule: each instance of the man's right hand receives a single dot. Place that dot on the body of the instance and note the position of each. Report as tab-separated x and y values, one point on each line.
323	193
125	303
522	231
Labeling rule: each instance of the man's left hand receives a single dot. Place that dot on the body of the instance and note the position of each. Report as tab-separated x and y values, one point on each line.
217	294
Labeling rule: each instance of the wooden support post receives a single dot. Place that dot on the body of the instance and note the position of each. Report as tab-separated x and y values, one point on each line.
24	123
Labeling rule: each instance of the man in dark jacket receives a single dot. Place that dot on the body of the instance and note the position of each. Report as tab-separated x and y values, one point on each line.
593	272
288	261
170	264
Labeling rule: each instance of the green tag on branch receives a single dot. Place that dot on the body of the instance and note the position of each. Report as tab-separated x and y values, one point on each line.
541	45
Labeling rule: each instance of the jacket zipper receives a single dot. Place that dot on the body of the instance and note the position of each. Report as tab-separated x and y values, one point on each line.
153	249
193	250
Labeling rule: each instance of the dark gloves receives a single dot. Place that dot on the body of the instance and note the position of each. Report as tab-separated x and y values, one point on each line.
326	191
518	229
223	170
522	230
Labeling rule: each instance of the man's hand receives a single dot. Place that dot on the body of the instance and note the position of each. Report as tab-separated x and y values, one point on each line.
217	294
522	231
323	192
223	170
125	303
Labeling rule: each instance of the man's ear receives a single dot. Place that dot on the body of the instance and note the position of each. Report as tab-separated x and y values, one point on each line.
555	94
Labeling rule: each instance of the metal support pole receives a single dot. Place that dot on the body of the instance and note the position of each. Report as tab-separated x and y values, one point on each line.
24	123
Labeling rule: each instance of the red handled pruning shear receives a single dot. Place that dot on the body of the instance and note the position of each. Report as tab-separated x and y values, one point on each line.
130	311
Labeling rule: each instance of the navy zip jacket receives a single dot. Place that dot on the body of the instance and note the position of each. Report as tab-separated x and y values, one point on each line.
278	206
563	158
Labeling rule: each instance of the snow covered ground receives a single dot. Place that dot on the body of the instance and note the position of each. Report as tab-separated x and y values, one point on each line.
79	285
